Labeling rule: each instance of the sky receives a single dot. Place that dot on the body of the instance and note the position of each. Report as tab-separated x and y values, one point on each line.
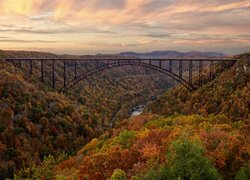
112	26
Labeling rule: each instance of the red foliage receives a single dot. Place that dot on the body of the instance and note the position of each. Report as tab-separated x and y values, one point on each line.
101	166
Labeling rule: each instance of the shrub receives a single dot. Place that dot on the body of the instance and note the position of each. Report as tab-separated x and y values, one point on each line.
118	174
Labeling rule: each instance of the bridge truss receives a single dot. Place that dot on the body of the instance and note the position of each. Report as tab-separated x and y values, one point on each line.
183	71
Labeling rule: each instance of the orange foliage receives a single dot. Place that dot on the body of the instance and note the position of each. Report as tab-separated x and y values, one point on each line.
101	165
150	150
69	163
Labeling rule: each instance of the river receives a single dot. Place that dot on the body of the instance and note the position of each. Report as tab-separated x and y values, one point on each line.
137	110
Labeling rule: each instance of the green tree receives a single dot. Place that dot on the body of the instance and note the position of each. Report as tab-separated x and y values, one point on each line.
44	171
125	139
188	161
162	173
244	173
118	174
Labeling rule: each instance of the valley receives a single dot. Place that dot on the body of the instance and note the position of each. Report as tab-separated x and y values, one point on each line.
203	131
123	123
124	90
35	119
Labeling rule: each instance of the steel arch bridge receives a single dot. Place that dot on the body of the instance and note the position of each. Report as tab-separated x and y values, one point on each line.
181	70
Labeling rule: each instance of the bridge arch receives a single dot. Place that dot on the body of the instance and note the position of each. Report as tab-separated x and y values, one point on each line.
213	65
70	84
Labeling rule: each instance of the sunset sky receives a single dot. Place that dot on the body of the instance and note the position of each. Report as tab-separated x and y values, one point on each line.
111	26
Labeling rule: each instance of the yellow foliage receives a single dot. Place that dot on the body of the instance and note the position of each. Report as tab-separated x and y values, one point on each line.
89	147
143	133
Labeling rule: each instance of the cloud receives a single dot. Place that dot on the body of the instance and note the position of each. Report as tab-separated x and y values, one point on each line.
157	35
71	30
8	40
108	4
124	23
20	7
3	37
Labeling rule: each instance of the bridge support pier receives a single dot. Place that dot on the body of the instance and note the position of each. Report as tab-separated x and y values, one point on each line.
200	73
170	65
31	67
211	71
53	73
222	66
42	71
86	65
75	69
20	64
180	68
190	72
97	63
64	73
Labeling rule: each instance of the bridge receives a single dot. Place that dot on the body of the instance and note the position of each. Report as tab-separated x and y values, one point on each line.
184	71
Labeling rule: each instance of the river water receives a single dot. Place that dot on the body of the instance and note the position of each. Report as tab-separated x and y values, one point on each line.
137	110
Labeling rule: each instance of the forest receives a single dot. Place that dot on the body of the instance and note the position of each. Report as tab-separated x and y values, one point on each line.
37	121
184	135
201	134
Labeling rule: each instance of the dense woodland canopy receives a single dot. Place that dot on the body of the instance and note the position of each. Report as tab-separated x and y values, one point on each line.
36	121
202	134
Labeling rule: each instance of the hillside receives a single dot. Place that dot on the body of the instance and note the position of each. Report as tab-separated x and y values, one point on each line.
36	121
229	94
190	135
127	86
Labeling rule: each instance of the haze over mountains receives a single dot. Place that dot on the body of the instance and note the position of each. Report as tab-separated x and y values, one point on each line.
153	54
172	54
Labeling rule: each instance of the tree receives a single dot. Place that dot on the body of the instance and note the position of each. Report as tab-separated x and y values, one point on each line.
186	161
189	163
125	139
244	173
161	174
44	171
118	174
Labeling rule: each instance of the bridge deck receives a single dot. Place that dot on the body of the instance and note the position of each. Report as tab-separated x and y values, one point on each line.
122	59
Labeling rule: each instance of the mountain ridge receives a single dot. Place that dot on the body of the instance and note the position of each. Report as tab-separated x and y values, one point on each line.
172	54
152	54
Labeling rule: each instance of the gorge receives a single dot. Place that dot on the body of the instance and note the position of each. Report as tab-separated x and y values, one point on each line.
51	135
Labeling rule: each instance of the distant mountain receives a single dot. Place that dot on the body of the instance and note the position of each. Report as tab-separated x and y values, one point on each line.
153	54
172	54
